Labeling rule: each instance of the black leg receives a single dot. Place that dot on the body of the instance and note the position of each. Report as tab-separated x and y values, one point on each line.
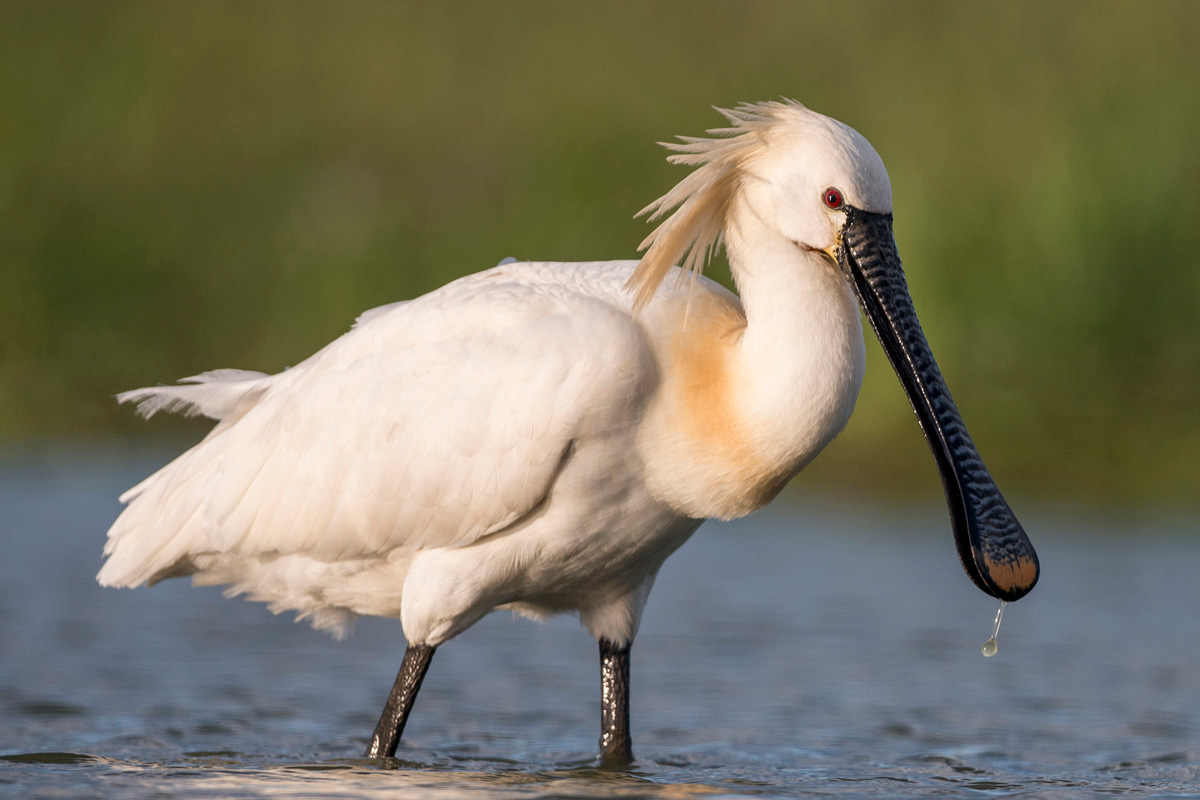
400	701
616	746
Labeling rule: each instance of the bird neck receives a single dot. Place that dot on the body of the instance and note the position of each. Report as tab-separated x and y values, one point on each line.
801	359
750	391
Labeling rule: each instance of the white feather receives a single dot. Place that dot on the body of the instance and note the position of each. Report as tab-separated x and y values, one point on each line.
216	394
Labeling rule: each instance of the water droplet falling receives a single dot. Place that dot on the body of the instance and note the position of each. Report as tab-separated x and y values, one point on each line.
989	647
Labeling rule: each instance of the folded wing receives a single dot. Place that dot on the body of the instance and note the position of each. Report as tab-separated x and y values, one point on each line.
431	424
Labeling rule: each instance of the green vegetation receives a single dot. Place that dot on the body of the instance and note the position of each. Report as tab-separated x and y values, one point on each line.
190	186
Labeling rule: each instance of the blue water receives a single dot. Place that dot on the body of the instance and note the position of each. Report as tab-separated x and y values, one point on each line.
824	648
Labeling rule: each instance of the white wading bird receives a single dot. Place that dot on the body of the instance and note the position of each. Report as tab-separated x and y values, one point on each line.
540	436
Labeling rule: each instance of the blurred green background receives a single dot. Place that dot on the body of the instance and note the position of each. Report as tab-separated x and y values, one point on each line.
186	186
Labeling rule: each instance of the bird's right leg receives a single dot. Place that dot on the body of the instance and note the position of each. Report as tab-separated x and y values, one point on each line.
400	701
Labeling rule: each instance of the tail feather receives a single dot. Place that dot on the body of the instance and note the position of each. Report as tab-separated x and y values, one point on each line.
164	522
216	394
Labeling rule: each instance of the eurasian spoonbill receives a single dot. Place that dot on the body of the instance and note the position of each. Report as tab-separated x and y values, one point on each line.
541	436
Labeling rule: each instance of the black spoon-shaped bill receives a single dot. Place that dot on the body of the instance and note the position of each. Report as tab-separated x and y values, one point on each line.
992	545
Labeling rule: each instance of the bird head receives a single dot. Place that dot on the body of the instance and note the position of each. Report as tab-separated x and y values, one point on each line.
819	184
805	171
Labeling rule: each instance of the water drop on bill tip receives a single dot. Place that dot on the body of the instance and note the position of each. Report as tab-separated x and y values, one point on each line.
990	647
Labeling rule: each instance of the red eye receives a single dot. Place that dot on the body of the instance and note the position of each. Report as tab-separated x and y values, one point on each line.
833	198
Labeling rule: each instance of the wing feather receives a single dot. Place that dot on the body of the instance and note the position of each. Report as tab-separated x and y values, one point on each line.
216	394
430	424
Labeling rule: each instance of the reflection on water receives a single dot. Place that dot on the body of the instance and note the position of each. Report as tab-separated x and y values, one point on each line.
819	649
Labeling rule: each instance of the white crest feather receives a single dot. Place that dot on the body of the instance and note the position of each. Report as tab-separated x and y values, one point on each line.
693	232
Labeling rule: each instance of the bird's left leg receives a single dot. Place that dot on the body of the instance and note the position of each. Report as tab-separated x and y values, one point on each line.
616	745
400	701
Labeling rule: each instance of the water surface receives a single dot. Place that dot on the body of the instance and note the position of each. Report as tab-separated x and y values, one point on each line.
825	648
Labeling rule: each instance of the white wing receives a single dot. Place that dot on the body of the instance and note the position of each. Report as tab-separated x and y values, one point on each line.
431	424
